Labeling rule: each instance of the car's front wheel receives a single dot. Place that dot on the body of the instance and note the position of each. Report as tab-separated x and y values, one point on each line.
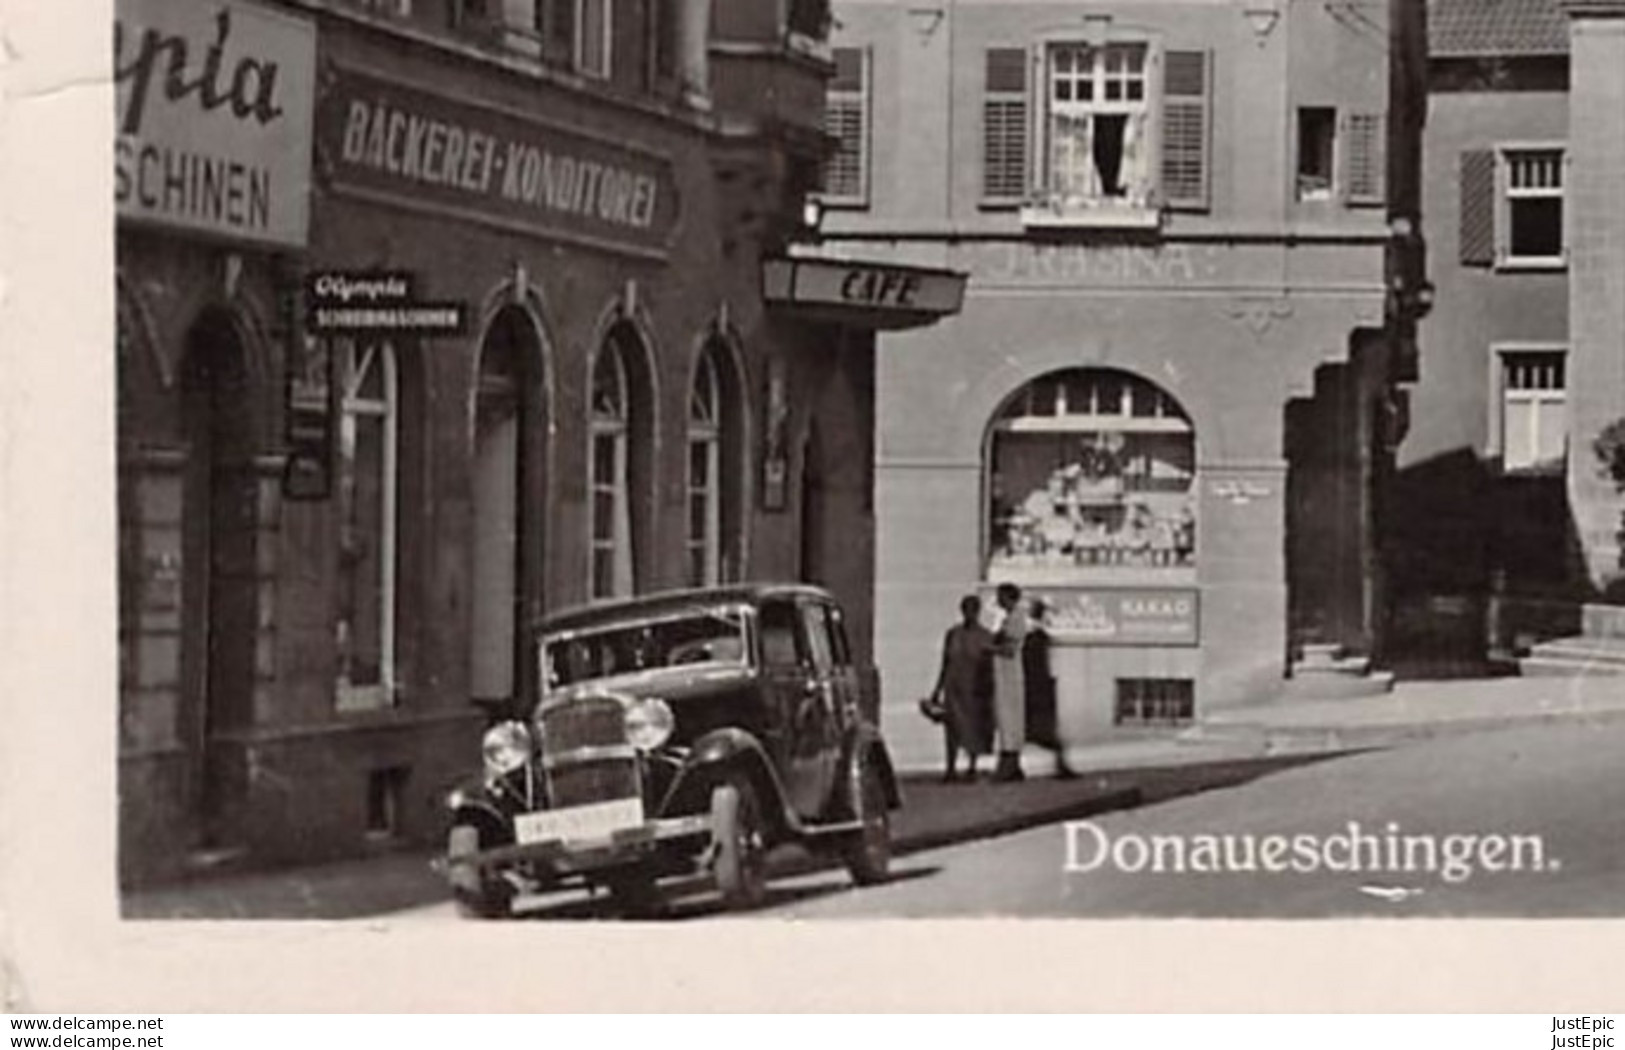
740	841
478	895
868	852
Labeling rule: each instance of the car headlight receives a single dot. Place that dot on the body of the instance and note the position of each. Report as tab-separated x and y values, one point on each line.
506	748
648	723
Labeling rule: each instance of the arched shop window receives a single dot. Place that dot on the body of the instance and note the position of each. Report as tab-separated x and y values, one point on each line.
1090	472
705	421
368	506
611	509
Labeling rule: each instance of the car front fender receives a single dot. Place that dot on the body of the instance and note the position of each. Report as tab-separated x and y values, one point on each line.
472	802
718	755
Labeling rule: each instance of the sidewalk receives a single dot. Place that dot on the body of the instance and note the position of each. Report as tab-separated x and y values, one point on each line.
1228	747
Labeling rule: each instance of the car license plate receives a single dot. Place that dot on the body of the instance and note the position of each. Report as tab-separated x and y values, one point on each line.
579	823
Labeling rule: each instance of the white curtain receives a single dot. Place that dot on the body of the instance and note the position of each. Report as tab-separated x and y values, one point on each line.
1072	155
1136	171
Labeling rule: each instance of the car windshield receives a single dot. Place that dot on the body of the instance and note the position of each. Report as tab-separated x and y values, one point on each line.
703	637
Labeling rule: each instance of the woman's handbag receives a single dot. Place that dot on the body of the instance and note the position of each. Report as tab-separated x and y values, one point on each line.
933	709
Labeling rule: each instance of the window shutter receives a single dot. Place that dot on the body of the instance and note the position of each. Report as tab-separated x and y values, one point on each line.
1186	103
560	30
1004	125
846	120
1477	227
1365	158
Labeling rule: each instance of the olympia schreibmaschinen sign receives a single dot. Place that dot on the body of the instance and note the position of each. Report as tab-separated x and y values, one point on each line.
214	118
424	149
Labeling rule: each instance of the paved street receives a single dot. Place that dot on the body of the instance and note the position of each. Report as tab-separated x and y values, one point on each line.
1551	762
1560	782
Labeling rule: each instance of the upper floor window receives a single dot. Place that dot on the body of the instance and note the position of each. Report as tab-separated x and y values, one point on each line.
594	32
1122	130
1511	207
1341	156
1097	126
846	119
1533	206
1317	152
573	33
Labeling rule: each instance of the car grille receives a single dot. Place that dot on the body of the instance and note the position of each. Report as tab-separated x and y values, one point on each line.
575	738
592	721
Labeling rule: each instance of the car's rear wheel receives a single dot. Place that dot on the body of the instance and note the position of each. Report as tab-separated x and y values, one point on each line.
868	853
478	895
740	840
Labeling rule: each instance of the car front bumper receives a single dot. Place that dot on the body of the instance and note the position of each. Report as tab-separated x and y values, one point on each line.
564	857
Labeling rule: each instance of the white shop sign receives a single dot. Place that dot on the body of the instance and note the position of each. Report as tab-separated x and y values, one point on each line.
214	118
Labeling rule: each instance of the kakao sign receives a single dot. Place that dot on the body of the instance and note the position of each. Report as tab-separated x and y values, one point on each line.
214	118
416	148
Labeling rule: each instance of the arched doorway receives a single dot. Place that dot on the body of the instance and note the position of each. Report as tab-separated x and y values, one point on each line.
220	599
507	516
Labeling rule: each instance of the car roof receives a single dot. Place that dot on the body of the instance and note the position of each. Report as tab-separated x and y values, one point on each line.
673	601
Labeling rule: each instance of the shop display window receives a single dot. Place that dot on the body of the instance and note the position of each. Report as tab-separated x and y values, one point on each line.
1090	470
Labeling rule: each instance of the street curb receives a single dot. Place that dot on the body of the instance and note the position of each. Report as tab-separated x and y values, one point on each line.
1291	739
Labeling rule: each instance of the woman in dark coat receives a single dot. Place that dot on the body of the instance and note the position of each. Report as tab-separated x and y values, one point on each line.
1043	720
965	688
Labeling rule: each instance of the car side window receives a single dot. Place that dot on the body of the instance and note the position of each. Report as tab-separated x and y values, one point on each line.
818	644
781	643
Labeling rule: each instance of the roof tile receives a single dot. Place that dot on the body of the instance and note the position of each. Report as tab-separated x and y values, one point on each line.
1460	28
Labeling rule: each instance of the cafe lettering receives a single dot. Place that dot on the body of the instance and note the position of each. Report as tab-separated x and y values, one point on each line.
214	108
428	151
863	294
880	287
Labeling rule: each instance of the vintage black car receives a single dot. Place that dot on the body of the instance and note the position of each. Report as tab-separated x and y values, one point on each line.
674	733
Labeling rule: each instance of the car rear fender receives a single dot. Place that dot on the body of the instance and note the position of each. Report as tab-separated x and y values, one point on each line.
866	741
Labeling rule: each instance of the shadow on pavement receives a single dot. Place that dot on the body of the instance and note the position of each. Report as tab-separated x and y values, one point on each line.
695	897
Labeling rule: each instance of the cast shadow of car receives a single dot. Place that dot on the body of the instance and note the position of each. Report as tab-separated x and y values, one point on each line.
695	896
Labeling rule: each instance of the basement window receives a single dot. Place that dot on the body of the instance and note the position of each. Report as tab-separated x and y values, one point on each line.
1155	701
385	790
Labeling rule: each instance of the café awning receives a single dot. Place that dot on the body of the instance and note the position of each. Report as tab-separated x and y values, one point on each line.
862	294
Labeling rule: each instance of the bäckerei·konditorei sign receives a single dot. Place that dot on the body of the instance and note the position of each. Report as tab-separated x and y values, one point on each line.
419	148
214	118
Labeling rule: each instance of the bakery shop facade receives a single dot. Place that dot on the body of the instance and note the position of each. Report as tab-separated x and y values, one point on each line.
1163	408
433	318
